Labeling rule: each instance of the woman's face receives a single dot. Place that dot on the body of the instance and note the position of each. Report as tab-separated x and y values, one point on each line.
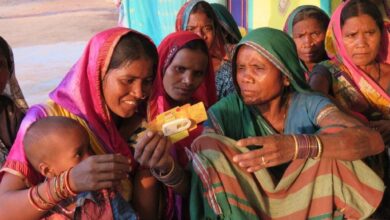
259	80
4	72
361	38
185	74
309	36
203	26
125	87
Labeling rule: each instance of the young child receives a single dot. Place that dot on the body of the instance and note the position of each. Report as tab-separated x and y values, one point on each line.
53	145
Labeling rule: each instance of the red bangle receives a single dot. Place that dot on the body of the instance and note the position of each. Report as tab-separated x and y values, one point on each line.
48	193
67	185
32	202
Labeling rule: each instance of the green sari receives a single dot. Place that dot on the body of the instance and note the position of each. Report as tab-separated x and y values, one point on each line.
307	189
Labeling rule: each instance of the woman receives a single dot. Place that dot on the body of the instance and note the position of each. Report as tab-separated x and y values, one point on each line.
184	75
307	25
12	103
356	75
199	17
232	36
104	92
281	167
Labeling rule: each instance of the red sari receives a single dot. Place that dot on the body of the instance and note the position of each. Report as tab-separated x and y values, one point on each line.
159	102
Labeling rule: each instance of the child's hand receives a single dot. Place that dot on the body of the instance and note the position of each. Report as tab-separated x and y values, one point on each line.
99	172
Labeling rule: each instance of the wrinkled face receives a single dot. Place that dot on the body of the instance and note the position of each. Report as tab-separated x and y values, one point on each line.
185	74
70	152
259	80
4	72
309	37
203	26
361	38
125	87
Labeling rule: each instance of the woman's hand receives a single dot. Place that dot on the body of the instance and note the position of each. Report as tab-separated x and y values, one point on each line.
152	151
276	150
383	127
99	172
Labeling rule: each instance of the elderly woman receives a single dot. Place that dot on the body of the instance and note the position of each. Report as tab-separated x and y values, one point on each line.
12	103
296	151
356	75
307	25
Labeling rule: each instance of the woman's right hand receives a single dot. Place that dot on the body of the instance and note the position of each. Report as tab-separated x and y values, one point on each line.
99	172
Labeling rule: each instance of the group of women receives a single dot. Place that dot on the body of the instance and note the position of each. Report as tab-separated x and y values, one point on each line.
272	147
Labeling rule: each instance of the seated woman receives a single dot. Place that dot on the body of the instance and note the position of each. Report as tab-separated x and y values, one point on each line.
296	151
199	17
12	103
104	91
356	75
184	75
307	25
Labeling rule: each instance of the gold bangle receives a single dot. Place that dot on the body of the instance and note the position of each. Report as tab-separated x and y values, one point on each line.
165	175
319	143
296	147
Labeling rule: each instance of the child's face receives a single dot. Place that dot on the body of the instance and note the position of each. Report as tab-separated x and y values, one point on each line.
72	147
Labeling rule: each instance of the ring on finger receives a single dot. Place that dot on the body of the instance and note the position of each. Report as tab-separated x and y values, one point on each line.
263	160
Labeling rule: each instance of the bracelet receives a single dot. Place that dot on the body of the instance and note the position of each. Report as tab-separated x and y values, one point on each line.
320	148
67	185
167	174
48	193
30	199
296	147
172	178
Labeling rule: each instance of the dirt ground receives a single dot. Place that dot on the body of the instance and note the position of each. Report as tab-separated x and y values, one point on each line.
48	36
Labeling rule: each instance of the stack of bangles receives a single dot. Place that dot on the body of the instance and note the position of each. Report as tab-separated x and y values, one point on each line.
173	178
56	189
307	146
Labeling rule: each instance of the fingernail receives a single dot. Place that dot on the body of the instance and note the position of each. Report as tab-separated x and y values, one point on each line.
150	134
235	159
241	164
239	143
249	170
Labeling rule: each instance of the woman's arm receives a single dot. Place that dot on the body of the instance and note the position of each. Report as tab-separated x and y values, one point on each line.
343	138
320	79
146	195
95	173
152	151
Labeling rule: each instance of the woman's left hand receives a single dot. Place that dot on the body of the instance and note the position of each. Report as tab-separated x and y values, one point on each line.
383	127
152	151
276	150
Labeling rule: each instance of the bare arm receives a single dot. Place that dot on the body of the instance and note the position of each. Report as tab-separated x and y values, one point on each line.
353	142
146	195
14	198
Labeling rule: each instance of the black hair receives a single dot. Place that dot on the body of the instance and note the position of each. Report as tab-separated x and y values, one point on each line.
205	7
132	47
197	44
355	8
314	13
5	51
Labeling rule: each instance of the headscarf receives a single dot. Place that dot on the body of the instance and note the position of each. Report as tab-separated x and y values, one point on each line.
217	49
227	21
79	96
289	24
159	102
12	89
280	50
336	51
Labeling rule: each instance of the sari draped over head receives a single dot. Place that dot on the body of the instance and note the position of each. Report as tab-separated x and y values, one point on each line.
79	96
308	188
12	105
160	102
217	49
353	88
227	21
12	89
289	24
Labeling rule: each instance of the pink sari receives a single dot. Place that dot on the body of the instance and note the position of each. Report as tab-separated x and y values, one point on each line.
78	96
352	87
